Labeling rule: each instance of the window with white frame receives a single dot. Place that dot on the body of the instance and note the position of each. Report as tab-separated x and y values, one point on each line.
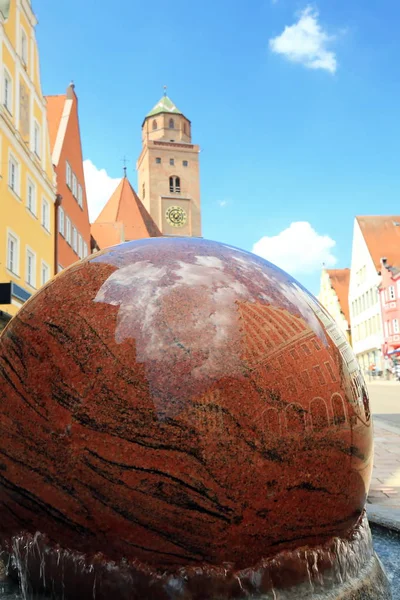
80	195
45	214
13	253
7	91
36	138
74	239
45	272
85	249
396	326
13	174
24	47
60	268
74	185
80	249
68	230
61	220
68	174
31	197
392	293
30	267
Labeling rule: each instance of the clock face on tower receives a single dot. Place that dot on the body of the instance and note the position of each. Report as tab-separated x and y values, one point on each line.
176	216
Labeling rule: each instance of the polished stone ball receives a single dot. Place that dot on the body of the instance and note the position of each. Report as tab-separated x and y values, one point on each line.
180	402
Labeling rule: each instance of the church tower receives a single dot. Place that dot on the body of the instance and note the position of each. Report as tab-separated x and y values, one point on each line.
168	171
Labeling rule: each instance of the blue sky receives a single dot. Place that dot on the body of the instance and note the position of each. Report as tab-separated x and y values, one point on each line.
297	126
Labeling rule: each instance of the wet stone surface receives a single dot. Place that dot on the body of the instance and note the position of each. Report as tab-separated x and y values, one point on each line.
387	547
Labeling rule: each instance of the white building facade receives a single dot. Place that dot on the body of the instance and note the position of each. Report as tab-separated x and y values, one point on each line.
329	298
364	303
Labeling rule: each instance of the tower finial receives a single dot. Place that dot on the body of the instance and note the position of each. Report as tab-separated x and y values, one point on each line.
165	90
124	161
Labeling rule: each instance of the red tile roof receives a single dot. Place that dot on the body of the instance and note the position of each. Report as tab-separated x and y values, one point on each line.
382	236
107	234
340	281
123	218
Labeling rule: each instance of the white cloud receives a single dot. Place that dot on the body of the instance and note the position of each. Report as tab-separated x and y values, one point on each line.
223	203
306	43
299	249
99	188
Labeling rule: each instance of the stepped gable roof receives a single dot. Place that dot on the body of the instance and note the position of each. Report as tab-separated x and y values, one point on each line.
55	109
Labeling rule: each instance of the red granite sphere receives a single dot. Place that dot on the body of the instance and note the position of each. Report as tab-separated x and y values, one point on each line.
180	402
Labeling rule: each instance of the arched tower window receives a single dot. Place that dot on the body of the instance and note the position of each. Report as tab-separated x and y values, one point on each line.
143	191
154	124
184	129
174	184
171	124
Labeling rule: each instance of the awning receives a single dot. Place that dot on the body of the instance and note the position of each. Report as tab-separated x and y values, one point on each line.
395	351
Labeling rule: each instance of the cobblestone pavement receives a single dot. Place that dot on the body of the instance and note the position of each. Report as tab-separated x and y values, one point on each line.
385	483
385	406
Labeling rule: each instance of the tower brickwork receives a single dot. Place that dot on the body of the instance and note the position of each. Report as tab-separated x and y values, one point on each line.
168	171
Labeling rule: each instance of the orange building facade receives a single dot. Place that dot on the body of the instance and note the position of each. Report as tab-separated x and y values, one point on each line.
72	218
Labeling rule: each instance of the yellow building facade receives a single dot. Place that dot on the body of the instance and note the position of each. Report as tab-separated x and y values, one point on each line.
27	180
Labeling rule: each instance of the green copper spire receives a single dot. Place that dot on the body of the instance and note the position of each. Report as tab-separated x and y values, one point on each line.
165	105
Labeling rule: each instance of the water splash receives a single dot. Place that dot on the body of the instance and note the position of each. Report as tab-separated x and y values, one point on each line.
44	570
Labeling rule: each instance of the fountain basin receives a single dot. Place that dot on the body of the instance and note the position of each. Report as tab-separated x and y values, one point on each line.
341	569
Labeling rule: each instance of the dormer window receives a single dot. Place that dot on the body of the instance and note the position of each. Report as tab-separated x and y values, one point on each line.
171	124
154	124
174	185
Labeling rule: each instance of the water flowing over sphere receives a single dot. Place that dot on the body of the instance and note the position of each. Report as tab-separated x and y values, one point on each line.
180	403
